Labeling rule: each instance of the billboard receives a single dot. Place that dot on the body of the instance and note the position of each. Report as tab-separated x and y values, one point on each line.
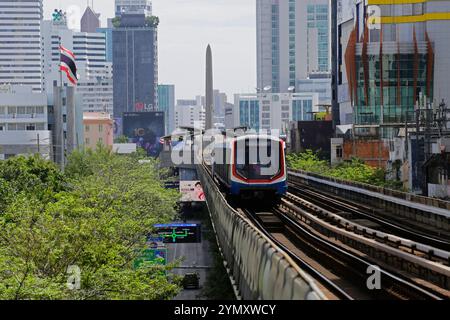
118	127
179	232
145	129
192	191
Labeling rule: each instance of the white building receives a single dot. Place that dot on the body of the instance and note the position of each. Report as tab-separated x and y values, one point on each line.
23	122
94	72
190	116
133	7
272	110
293	40
20	43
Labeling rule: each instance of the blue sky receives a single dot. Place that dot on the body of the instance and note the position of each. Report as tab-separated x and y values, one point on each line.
186	27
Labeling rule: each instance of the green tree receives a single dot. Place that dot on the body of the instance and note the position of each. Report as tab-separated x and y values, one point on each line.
98	224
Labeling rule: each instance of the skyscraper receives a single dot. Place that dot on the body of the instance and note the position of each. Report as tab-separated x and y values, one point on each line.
20	43
90	21
95	73
166	103
292	41
135	64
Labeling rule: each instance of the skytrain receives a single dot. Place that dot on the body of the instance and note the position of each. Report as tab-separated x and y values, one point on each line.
251	166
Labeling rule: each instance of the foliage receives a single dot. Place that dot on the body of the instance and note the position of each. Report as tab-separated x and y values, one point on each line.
121	139
354	170
152	21
116	22
95	216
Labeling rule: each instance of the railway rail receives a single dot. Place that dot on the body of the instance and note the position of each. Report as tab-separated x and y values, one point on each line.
309	234
351	210
342	273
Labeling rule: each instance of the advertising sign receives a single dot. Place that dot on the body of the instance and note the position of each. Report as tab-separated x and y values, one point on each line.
192	191
145	129
118	127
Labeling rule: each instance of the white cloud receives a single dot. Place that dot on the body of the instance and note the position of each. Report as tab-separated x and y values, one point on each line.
186	27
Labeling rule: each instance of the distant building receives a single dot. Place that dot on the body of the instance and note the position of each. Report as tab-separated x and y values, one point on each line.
190	116
135	63
21	46
95	82
98	128
108	42
166	103
90	21
292	39
273	110
220	103
23	122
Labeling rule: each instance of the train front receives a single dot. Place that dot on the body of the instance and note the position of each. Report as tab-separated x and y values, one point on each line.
258	167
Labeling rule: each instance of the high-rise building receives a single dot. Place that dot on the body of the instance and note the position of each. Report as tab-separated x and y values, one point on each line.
94	72
135	63
391	56
109	43
90	21
20	43
133	7
166	103
292	41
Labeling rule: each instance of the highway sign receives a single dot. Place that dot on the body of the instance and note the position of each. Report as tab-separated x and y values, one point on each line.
179	232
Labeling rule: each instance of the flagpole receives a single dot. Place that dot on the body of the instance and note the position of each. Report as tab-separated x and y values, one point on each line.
61	117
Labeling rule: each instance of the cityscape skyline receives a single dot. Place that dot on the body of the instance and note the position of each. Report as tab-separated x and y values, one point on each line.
232	39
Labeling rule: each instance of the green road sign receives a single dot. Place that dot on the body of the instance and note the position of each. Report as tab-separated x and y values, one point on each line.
152	256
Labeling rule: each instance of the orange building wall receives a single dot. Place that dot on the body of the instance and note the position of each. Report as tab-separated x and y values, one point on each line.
374	152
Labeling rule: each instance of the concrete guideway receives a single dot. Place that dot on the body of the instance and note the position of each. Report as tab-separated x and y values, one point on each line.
257	267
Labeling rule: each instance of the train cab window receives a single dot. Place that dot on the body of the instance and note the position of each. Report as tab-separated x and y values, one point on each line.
256	160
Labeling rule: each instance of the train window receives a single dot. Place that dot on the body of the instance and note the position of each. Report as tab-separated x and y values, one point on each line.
256	160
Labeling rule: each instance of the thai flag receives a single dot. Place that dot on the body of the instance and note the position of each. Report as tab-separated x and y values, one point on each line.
67	64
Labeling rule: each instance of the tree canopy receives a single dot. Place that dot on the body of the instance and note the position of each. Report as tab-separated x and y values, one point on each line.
88	223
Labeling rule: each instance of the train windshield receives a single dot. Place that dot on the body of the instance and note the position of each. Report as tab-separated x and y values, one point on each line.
258	159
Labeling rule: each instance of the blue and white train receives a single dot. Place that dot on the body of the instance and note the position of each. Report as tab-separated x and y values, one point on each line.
252	166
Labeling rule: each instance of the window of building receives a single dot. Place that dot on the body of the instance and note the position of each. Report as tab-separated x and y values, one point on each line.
30	127
100	140
87	141
100	128
2	127
86	128
339	152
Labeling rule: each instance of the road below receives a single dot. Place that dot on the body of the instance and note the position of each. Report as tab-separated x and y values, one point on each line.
195	257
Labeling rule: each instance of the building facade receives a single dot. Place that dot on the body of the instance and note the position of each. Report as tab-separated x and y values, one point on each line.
190	116
98	129
135	63
391	56
20	43
292	41
95	83
23	122
166	104
133	7
273	111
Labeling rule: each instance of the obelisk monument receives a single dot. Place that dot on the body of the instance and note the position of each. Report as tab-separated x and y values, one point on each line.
209	95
